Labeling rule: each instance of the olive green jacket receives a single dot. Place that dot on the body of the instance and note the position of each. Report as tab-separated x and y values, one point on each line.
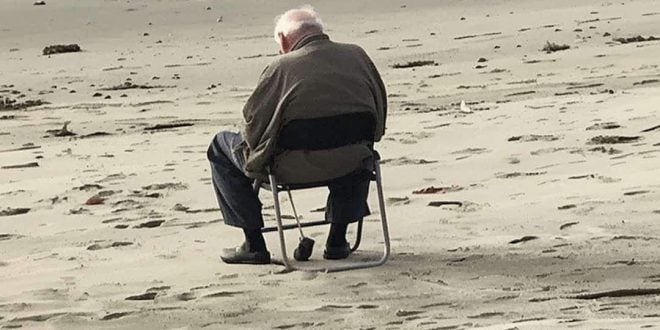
318	78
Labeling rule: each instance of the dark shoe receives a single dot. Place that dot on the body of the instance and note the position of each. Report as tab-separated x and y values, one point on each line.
337	252
242	255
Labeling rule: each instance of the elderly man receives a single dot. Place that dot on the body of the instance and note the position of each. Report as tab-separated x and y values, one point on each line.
312	78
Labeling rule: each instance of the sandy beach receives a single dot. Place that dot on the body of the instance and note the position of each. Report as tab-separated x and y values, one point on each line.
108	218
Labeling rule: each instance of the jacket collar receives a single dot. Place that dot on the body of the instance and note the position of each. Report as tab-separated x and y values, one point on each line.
309	39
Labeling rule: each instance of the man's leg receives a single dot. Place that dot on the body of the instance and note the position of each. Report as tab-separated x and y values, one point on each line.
347	203
239	204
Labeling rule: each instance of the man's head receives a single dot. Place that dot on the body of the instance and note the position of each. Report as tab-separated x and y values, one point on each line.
294	25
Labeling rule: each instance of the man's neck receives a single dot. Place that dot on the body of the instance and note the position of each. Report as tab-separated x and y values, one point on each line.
302	40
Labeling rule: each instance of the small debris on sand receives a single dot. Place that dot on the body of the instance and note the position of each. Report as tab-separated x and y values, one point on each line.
59	49
413	64
635	39
130	85
464	108
144	296
407	161
645	82
113	316
8	104
600	126
186	296
27	165
150	224
62	132
169	185
39	3
393	201
444	203
97	246
618	293
95	200
651	129
523	239
95	134
88	187
437	190
518	174
470	36
551	47
533	137
569	224
11	211
610	151
613	139
167	126
406	313
636	192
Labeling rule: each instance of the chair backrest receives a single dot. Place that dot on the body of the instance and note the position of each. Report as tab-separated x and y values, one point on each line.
327	132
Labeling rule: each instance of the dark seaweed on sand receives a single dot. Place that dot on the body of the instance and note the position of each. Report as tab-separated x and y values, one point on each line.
551	47
59	49
413	64
635	39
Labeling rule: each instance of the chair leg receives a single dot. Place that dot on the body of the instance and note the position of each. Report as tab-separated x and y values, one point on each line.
278	218
383	214
386	234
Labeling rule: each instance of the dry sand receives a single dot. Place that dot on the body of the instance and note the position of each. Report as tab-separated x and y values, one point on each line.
554	204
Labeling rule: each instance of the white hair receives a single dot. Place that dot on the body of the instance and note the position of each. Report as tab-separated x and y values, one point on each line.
299	19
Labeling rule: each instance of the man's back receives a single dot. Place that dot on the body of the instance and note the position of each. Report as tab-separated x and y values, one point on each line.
328	78
319	78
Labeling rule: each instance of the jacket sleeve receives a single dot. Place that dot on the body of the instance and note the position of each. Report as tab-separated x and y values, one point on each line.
258	115
380	98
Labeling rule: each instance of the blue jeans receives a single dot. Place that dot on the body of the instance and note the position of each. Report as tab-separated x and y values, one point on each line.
239	203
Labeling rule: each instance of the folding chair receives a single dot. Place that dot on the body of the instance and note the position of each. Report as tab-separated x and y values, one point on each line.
320	134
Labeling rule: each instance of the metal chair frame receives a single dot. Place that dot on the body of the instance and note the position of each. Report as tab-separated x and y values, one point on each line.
276	188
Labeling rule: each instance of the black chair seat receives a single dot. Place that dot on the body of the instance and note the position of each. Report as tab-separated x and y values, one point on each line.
327	132
356	176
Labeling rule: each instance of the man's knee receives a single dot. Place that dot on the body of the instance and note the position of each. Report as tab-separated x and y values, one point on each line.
215	149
